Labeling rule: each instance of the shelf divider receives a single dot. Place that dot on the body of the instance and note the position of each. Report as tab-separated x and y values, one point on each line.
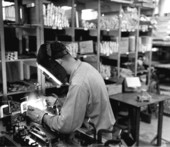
98	34
2	43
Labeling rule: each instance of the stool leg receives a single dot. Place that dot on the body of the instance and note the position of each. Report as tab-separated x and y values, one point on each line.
137	126
160	120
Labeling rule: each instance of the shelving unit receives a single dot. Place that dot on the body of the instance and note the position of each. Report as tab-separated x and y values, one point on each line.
161	63
21	33
75	31
134	33
4	87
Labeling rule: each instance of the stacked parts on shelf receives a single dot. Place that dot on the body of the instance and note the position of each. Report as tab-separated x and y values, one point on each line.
147	23
109	22
129	19
89	24
9	13
162	31
54	16
22	86
127	44
105	71
108	47
80	47
108	71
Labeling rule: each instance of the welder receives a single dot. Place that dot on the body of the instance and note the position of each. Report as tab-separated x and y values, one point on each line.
87	98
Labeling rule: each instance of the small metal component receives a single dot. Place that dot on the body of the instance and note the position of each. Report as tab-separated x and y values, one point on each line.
38	131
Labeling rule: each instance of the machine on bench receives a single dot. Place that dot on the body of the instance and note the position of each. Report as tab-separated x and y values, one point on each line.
26	133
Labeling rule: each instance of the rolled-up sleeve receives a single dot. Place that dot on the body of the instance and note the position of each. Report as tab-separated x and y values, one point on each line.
72	113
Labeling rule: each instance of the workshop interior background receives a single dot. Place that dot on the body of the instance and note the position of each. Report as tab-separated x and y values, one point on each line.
138	44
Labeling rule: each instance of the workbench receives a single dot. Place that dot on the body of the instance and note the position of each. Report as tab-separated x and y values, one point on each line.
130	100
55	138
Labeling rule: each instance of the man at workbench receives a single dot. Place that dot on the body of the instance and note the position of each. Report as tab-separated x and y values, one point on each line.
87	98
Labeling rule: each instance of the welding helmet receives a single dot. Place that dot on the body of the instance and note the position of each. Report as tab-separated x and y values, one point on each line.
46	57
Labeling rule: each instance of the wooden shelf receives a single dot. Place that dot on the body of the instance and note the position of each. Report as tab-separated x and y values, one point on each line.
116	30
110	79
18	60
20	92
122	1
55	28
85	55
21	26
161	43
165	87
28	61
110	30
86	29
145	6
163	66
128	54
113	56
128	31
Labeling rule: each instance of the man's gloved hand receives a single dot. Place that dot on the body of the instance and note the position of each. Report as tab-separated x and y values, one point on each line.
55	103
35	114
50	100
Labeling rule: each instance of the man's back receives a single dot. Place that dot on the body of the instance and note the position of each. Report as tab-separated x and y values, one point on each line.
87	98
97	103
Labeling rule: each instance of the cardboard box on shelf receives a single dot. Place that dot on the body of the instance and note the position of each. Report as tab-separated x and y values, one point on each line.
86	47
114	88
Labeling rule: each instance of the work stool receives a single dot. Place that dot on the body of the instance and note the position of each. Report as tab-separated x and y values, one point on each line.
115	137
106	137
123	119
119	137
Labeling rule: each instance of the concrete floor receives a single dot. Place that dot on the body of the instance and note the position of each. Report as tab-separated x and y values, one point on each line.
149	131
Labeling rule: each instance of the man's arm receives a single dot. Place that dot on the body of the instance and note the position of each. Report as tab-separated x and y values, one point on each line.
72	113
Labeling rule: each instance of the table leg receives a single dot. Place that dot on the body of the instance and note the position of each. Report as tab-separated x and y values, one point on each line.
160	121
137	126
